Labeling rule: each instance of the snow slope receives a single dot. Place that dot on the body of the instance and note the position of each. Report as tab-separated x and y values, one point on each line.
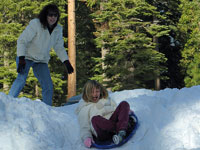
169	120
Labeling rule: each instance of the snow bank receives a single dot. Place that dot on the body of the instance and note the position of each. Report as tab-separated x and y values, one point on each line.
169	120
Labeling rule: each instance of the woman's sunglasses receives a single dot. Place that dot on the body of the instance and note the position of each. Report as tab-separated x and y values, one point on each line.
53	14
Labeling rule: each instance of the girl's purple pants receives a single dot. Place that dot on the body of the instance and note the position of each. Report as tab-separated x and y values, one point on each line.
105	128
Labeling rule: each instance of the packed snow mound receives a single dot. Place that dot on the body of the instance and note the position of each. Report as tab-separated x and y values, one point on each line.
169	120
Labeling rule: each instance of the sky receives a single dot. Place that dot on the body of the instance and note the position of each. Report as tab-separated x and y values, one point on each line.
169	120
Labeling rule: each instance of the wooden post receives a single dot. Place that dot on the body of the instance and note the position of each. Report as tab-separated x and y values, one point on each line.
71	47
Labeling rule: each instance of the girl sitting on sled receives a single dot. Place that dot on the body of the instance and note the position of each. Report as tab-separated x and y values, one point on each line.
99	117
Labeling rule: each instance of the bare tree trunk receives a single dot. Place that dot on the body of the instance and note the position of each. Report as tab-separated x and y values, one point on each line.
6	64
36	90
157	83
72	47
155	40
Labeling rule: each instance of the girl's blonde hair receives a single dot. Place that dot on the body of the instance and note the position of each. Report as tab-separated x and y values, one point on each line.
88	87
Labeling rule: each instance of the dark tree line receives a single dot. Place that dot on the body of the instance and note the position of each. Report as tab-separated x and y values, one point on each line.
123	44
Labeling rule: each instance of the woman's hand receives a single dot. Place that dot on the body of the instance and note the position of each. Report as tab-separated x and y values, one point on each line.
68	66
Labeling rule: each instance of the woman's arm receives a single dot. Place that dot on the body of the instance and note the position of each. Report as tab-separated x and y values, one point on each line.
26	37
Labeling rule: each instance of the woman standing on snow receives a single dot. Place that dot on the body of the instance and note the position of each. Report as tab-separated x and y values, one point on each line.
100	117
33	50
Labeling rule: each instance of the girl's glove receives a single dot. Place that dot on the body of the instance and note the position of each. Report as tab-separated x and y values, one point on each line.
88	142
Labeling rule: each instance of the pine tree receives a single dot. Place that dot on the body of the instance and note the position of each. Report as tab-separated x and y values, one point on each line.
131	61
168	44
87	52
189	27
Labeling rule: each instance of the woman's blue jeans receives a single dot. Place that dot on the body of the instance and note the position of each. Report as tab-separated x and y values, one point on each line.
42	73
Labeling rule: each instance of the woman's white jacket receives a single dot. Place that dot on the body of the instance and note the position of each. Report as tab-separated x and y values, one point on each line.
86	110
35	43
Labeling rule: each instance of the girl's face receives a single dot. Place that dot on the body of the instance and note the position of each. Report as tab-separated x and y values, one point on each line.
95	95
52	18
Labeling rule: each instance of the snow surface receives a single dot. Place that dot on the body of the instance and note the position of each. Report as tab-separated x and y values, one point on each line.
169	120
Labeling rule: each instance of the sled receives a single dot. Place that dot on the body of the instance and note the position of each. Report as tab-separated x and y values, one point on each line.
130	132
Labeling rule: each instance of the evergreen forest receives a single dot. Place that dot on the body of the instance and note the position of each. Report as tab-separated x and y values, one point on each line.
123	44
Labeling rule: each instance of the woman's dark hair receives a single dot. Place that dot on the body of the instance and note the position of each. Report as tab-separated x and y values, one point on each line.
44	12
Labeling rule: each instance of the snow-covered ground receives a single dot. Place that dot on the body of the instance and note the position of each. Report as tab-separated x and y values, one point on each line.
169	120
